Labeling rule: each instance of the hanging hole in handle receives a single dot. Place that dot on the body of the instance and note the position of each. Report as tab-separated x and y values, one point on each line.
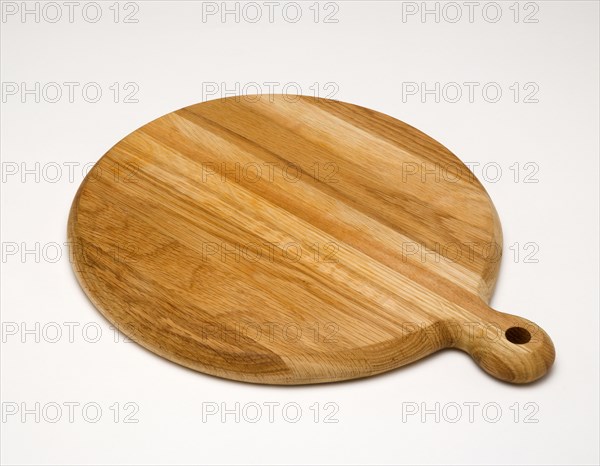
518	335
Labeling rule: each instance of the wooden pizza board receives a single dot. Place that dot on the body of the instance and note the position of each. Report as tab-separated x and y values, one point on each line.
294	240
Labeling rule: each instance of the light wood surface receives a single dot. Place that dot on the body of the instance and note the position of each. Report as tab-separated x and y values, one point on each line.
295	240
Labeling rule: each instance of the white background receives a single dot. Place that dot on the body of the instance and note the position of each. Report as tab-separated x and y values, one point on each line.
172	55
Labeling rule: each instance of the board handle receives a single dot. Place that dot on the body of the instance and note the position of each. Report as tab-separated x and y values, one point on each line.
506	346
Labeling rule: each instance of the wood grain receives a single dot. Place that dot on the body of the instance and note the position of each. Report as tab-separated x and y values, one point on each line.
294	240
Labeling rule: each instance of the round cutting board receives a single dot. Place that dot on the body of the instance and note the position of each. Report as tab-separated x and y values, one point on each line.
294	240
